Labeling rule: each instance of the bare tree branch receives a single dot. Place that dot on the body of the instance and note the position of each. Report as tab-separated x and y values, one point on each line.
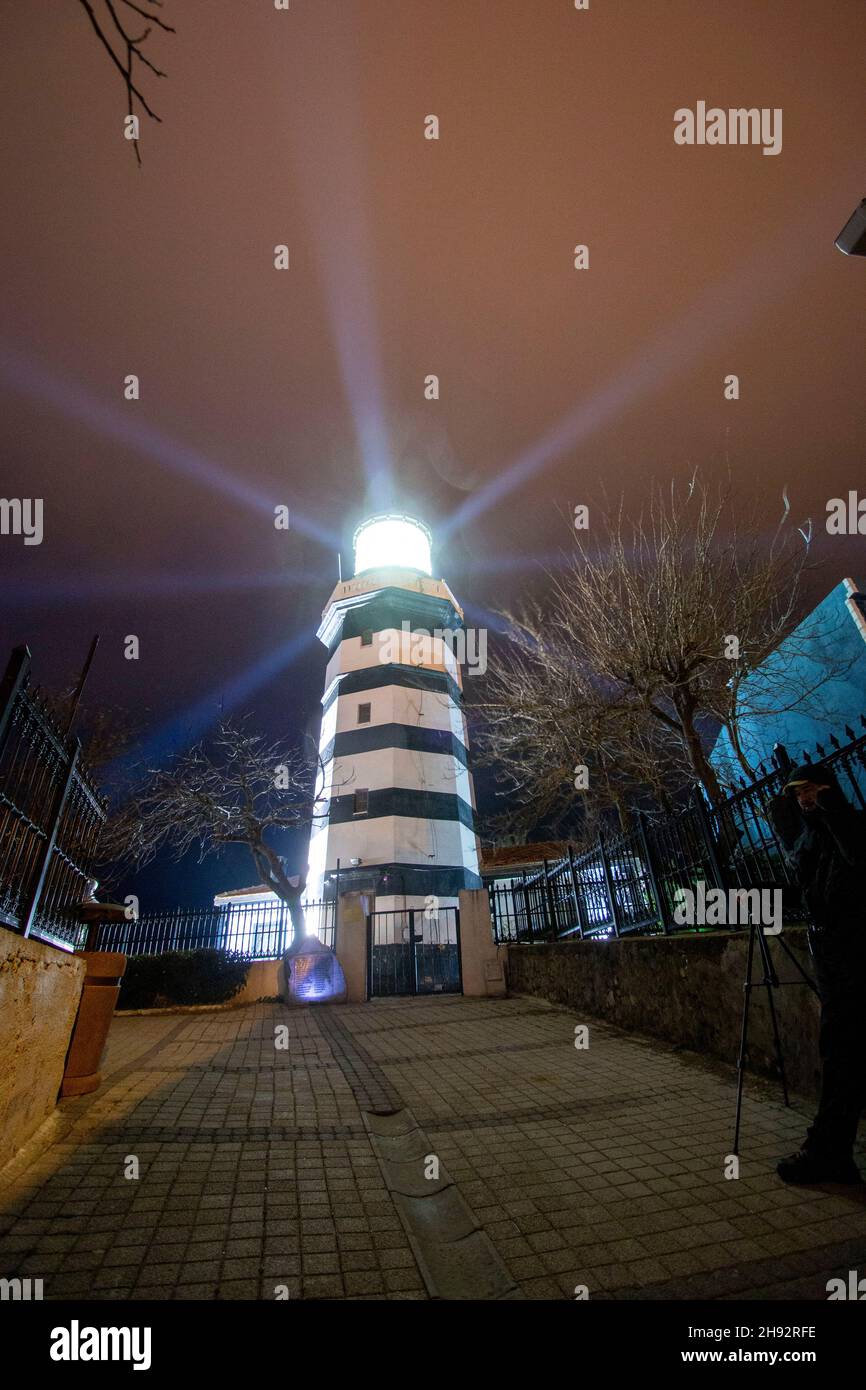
237	788
130	50
648	641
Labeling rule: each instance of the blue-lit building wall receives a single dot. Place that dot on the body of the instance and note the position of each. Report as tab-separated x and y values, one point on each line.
809	688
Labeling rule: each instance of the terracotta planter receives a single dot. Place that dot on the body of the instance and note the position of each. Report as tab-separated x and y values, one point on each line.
101	988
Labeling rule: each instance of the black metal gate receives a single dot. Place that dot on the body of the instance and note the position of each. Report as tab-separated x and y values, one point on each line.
414	951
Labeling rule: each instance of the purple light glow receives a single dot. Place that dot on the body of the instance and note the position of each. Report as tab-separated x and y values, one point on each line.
316	976
331	164
113	422
728	307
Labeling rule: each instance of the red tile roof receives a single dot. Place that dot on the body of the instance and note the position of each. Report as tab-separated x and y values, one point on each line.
520	856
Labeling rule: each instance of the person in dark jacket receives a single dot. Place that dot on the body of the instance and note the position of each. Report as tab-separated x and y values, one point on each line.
824	839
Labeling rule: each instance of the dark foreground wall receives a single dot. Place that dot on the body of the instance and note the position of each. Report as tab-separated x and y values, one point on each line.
685	989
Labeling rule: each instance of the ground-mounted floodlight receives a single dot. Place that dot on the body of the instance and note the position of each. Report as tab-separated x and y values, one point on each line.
313	973
392	541
852	238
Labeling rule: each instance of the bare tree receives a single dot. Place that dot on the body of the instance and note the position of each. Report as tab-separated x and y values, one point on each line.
123	48
238	788
675	607
650	634
544	716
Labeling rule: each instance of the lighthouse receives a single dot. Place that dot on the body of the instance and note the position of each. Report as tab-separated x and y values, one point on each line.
399	821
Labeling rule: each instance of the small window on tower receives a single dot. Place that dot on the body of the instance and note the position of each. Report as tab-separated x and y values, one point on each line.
361	801
363	714
367	638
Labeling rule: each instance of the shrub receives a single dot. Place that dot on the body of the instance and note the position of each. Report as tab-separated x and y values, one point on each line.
182	977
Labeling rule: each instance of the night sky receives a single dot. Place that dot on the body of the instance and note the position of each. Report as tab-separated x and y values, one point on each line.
408	257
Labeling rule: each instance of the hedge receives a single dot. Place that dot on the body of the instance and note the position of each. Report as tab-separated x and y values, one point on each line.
182	977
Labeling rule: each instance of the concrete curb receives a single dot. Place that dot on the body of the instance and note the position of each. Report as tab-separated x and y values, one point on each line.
193	1008
457	1260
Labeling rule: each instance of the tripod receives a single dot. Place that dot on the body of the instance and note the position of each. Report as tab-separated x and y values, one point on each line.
770	982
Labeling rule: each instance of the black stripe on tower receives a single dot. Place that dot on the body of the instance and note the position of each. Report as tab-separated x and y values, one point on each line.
370	737
403	801
417	880
390	608
377	677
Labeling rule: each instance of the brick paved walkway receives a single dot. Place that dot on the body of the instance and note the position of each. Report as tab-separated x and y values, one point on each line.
601	1167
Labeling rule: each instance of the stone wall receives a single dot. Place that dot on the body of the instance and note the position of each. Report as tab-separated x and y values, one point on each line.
39	991
265	980
685	989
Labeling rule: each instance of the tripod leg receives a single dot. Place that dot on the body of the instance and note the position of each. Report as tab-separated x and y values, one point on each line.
744	1034
806	977
770	981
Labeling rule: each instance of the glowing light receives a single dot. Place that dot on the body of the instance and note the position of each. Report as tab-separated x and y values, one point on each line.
721	311
29	377
315	975
331	166
187	727
398	541
67	589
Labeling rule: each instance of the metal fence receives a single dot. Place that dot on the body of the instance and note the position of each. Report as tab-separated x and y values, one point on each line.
51	816
258	930
629	882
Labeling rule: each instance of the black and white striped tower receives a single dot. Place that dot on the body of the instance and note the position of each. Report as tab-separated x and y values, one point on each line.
393	746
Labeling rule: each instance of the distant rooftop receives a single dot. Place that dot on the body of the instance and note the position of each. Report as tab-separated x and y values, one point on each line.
520	856
243	892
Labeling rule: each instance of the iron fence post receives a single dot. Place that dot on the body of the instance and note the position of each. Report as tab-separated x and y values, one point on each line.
549	904
574	891
529	928
609	885
44	859
14	681
709	840
413	962
781	757
649	857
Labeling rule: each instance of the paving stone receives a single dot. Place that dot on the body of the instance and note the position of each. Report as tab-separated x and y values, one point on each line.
363	1282
605	1169
323	1286
320	1264
245	1289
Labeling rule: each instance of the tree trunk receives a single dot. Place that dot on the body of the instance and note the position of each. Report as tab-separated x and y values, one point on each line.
733	733
271	871
698	760
299	926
